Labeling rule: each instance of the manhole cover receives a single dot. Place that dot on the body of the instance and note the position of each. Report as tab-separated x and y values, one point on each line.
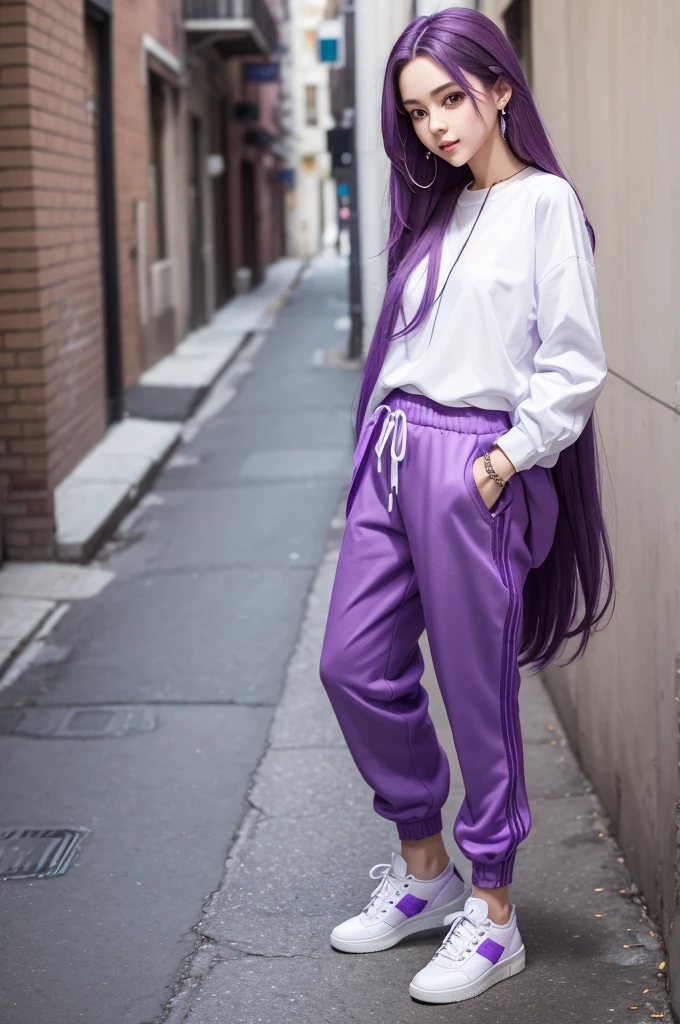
77	722
38	852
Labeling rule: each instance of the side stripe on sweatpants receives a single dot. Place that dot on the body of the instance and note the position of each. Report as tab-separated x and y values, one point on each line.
500	537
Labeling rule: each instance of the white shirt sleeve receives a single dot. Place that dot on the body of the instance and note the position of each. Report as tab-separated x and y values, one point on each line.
570	364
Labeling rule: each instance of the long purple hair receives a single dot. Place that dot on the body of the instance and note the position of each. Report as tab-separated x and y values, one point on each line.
457	39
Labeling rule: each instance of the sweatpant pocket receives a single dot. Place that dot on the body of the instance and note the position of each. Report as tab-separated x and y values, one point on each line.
505	498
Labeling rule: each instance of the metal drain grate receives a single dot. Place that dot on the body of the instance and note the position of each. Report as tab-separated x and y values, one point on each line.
77	722
38	852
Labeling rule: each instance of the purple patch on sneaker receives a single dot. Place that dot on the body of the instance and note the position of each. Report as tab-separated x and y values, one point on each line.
411	905
493	951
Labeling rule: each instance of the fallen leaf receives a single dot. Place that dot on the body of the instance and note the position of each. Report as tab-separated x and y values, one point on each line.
662	965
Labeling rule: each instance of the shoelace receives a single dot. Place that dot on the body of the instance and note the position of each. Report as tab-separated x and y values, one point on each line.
387	887
390	424
462	937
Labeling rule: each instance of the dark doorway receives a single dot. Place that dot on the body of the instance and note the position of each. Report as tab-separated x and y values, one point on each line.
281	217
224	264
249	220
196	261
157	112
100	111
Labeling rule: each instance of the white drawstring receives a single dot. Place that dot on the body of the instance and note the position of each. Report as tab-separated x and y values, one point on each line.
388	425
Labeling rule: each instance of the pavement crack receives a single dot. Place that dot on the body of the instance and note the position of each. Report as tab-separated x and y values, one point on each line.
266	956
310	746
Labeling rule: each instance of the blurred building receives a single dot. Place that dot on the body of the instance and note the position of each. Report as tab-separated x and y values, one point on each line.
313	222
142	184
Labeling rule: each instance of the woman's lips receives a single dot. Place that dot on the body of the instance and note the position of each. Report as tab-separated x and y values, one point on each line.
449	146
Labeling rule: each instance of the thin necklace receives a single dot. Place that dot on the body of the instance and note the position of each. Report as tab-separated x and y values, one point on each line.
499	180
438	299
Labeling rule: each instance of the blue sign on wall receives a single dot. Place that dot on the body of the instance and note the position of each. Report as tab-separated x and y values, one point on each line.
262	72
328	50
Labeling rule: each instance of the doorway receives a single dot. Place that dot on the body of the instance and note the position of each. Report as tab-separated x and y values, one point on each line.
249	246
196	235
224	264
100	113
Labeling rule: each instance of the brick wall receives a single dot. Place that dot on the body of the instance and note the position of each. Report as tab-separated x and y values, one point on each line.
51	340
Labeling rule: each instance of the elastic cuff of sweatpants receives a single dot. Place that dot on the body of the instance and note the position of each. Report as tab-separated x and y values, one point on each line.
420	829
493	876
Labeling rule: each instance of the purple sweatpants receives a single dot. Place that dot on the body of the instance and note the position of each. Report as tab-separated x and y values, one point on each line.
441	560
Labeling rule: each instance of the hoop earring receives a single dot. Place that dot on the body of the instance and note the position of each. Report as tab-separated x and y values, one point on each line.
503	122
436	168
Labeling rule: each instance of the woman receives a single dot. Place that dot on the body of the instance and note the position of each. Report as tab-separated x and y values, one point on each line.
487	529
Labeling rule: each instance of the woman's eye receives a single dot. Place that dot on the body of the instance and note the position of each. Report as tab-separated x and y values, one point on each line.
452	96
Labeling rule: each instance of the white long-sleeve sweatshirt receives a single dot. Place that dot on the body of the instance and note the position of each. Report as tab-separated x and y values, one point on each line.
518	328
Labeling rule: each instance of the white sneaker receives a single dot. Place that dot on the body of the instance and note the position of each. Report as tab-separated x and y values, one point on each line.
400	905
476	954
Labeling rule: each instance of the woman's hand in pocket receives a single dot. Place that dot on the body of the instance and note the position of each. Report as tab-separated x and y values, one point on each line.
489	490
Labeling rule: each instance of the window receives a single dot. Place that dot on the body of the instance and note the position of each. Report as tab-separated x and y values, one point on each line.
310	43
311	105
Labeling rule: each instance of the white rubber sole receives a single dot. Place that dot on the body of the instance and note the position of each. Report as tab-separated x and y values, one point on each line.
412	925
498	972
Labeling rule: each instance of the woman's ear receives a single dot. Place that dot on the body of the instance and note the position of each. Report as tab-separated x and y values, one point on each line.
502	90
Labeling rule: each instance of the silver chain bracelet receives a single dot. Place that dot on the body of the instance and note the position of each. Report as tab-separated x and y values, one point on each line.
491	471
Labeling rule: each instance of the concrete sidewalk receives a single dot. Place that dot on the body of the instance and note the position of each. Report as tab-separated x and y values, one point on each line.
301	860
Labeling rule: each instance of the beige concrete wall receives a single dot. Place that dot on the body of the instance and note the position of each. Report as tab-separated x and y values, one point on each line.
605	77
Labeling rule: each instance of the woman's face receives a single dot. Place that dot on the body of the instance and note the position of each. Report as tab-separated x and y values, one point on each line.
441	112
